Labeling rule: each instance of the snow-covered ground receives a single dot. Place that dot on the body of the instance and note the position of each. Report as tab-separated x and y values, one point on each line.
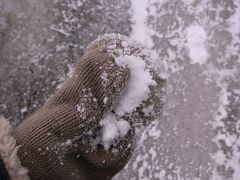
197	137
198	42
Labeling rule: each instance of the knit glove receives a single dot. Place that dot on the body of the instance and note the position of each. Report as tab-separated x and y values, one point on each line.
57	142
118	45
121	149
49	138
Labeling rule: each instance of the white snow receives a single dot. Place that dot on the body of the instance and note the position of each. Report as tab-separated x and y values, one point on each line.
140	28
105	100
104	76
137	91
196	39
113	128
23	110
61	31
138	87
234	22
70	70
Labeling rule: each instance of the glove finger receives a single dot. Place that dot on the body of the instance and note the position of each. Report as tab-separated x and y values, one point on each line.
107	80
101	160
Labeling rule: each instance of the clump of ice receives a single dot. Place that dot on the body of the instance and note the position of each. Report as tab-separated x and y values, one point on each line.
196	39
137	90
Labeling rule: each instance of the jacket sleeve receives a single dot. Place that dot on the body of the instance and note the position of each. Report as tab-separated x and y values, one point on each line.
3	171
10	165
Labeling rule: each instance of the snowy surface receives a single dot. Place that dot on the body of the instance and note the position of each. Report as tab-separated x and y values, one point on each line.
197	137
196	37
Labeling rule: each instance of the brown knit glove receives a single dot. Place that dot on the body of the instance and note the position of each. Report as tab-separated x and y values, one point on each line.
119	45
118	154
57	142
50	138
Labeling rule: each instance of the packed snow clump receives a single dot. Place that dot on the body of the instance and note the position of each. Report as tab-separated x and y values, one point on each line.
112	128
140	62
138	87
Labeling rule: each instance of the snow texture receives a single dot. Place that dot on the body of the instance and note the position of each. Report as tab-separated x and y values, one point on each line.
140	26
112	129
137	89
196	37
198	135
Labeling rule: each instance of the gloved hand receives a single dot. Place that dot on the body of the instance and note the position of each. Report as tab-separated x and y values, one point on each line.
52	143
48	139
122	148
118	45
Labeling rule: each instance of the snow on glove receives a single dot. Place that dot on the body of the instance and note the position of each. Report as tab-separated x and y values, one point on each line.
145	92
48	142
140	103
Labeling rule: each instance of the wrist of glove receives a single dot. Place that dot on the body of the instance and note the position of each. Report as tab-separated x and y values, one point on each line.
54	142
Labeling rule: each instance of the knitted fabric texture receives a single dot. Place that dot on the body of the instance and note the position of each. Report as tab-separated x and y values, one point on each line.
51	139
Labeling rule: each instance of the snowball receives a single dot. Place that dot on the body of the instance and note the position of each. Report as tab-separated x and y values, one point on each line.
137	89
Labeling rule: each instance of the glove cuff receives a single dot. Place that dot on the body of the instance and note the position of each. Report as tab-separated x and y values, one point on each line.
8	152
